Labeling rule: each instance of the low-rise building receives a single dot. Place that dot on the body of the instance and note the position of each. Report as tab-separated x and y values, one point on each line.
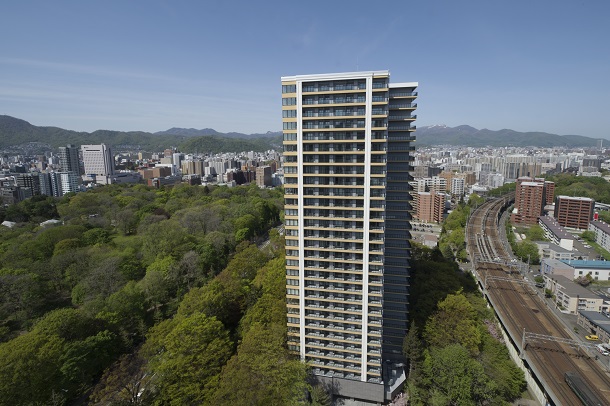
571	297
554	267
556	233
602	233
596	323
550	250
599	270
572	269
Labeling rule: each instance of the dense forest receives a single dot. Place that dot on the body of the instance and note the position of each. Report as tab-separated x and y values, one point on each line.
162	297
144	296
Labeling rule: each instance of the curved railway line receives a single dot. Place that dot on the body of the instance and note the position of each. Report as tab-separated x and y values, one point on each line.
546	346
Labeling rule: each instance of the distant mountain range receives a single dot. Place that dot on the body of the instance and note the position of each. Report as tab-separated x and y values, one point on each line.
193	132
470	136
15	132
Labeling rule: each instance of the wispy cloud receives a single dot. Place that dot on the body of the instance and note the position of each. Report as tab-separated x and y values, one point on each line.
84	69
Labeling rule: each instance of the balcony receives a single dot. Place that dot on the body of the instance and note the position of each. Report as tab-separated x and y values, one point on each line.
402	94
402	118
402	128
395	106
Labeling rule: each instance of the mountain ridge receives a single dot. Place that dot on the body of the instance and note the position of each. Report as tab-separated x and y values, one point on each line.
465	135
15	131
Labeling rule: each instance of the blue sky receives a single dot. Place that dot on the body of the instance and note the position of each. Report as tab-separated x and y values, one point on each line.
536	65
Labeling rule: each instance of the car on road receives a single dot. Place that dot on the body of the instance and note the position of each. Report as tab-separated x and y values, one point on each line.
602	349
592	337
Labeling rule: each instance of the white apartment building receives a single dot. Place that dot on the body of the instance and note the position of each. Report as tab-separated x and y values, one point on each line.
347	158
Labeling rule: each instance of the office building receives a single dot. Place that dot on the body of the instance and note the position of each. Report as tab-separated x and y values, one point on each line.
574	212
68	159
29	181
347	157
98	163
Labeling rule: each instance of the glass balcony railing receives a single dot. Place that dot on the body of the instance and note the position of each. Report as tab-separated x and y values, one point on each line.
403	94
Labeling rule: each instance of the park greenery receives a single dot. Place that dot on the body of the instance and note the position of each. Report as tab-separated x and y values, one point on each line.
143	296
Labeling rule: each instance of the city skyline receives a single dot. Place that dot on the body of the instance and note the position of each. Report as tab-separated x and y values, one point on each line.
153	66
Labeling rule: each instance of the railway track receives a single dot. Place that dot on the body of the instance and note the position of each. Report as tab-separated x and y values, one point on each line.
551	350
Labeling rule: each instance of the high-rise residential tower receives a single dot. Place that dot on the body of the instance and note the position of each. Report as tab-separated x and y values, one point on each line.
574	212
531	195
68	159
347	157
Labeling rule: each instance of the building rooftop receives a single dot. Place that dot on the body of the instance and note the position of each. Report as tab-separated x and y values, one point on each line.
555	262
583	199
330	76
552	246
555	228
598	319
601	225
586	264
573	289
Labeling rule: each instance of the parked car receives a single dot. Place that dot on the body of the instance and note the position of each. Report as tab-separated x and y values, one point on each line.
602	349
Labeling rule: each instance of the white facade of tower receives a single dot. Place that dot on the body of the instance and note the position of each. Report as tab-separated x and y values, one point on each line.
347	204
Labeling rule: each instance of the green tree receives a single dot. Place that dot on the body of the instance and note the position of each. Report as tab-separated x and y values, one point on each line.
187	360
526	250
262	372
319	396
588	235
455	322
535	233
455	378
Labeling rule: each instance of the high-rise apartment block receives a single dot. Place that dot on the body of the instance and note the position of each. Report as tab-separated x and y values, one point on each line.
193	167
263	176
458	186
430	207
433	184
574	212
531	195
68	159
347	157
